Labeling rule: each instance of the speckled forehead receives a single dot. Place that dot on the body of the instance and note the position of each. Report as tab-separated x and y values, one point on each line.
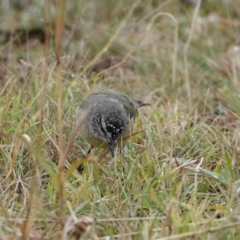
115	127
114	119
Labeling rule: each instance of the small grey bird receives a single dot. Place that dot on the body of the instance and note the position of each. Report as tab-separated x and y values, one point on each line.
111	117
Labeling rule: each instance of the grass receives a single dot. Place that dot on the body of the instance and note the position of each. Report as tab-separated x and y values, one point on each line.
177	179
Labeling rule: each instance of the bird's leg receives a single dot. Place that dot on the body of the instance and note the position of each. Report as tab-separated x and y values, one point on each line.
81	166
89	151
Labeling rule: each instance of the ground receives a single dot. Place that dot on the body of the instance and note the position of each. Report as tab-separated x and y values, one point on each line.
178	176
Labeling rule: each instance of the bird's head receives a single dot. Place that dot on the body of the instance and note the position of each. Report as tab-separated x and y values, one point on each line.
111	128
109	123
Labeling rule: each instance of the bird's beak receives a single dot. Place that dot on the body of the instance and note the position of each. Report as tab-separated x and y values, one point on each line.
112	147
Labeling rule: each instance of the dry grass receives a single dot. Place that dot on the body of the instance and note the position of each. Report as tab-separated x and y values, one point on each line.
177	179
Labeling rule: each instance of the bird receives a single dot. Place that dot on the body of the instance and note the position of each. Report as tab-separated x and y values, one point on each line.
110	118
